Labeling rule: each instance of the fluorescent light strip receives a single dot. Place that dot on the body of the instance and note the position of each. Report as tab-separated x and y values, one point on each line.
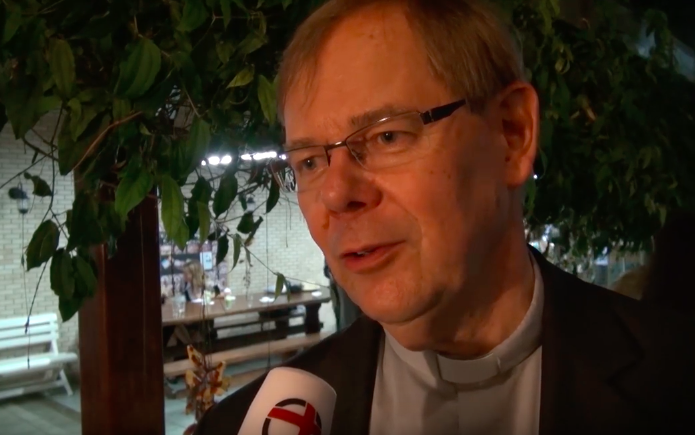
227	159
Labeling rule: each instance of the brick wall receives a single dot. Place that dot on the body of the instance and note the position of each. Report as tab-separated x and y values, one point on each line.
15	294
283	242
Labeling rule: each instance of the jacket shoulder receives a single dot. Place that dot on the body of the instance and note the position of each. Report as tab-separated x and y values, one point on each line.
227	416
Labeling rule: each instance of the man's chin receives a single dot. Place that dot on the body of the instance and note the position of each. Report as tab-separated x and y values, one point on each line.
396	316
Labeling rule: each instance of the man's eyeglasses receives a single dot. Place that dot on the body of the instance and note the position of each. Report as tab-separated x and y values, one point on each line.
389	142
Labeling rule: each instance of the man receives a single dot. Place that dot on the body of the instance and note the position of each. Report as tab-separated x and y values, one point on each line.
410	133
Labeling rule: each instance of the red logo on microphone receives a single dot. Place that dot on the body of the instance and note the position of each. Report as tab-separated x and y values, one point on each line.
308	421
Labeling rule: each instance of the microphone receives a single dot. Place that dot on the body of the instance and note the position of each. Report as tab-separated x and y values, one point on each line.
291	402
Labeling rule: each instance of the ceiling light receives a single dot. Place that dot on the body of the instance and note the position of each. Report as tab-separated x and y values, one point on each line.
226	160
203	163
263	156
214	160
259	156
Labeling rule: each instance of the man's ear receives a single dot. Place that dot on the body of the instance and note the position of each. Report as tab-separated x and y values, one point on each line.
517	115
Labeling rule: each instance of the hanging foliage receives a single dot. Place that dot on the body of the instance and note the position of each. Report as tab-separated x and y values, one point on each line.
617	134
145	91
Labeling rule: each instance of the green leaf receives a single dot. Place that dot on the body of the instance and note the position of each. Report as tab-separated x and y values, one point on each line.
172	211
243	78
85	278
68	307
182	237
85	226
139	70
194	14
132	189
251	43
246	224
273	197
70	151
226	193
22	101
13	21
252	234
43	244
240	4
186	69
197	145
62	63
80	117
266	96
192	222
121	108
222	249
68	220
226	12
279	285
110	219
202	191
46	104
204	220
41	188
237	249
62	278
154	100
286	4
224	49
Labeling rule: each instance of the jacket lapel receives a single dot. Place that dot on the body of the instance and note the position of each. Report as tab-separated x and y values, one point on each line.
585	348
349	365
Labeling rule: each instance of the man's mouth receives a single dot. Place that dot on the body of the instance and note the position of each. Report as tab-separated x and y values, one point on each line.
368	258
362	253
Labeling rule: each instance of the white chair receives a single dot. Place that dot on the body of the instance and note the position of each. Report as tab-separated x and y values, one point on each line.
18	372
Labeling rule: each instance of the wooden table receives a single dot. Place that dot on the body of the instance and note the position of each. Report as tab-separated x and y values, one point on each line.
244	304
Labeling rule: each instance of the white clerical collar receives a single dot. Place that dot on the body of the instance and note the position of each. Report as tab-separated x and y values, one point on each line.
434	368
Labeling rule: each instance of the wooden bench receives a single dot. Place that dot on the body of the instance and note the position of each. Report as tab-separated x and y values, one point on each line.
253	319
42	330
249	353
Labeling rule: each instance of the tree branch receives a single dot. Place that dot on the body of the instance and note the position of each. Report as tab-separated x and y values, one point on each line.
55	130
102	135
53	189
23	171
37	149
43	139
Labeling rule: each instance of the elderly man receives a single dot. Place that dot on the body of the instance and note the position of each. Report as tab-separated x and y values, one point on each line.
410	133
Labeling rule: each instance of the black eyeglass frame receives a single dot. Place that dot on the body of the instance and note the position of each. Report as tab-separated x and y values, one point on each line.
428	117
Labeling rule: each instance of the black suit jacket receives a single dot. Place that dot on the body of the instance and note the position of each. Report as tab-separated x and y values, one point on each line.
610	365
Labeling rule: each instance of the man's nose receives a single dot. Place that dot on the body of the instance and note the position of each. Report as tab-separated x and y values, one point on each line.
347	188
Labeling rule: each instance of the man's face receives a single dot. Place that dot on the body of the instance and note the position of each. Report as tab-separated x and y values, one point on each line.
431	220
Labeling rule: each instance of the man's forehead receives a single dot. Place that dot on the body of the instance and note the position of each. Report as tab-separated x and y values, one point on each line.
370	67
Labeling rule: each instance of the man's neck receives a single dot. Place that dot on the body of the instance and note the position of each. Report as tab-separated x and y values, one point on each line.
502	295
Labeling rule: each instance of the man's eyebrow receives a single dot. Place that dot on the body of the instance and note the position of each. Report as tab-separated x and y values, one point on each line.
300	143
371	116
356	122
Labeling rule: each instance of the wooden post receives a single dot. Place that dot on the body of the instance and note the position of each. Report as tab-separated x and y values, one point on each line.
121	367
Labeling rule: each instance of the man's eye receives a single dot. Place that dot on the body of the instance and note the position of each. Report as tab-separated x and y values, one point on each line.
305	163
308	164
387	137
